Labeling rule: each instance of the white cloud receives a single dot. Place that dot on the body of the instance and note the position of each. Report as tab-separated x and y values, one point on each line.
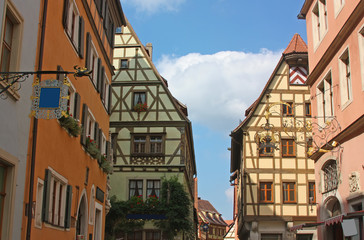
152	6
229	193
218	88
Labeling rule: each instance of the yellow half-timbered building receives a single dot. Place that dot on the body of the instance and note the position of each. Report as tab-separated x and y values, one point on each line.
151	134
269	161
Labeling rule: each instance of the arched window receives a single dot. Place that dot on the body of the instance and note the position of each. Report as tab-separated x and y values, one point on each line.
330	176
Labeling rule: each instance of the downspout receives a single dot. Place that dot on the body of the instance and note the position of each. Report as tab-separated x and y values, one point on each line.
35	126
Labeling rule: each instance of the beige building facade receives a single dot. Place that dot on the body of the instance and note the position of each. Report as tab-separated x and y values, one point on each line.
269	163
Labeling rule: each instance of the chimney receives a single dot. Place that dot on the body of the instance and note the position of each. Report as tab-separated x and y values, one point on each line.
149	48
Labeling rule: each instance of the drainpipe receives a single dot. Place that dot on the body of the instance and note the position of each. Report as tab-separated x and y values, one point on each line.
35	126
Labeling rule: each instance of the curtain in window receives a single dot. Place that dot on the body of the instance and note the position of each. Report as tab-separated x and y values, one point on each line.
132	188
139	98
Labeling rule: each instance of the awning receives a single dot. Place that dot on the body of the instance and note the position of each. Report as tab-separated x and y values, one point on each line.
305	225
334	220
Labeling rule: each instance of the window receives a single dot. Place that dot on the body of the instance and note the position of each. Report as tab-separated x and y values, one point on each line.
99	4
74	25
319	20
135	188
57	199
308	109
39	204
90	126
139	98
148	144
330	176
287	109
10	45
7	44
289	192
3	170
345	78
325	99
304	236
266	147
288	148
124	64
109	26
153	187
338	5
361	54
266	192
268	236
105	91
311	192
153	235
137	235
93	58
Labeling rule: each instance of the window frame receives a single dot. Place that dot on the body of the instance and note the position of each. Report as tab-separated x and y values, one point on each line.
155	189
147	144
311	192
329	175
325	99
345	78
265	190
288	111
135	101
308	109
286	191
90	125
287	146
136	187
125	65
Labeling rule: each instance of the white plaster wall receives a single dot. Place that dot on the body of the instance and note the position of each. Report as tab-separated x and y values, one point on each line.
14	117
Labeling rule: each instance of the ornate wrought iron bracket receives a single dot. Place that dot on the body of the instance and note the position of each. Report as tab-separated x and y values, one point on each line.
13	80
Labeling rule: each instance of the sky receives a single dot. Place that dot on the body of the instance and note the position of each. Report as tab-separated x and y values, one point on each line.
217	56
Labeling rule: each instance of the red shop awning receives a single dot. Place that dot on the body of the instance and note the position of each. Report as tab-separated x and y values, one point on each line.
334	220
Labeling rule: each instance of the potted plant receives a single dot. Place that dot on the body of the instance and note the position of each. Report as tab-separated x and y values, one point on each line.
70	124
141	107
105	164
92	148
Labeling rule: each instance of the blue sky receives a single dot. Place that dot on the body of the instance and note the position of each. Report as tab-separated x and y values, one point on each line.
217	56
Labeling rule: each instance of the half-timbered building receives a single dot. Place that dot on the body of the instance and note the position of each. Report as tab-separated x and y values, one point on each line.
274	176
151	134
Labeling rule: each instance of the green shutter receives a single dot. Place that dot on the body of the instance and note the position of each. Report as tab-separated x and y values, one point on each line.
65	13
109	103
46	192
67	218
88	51
77	106
84	122
99	76
102	78
97	134
81	37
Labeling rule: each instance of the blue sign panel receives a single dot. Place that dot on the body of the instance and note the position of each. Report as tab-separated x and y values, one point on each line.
49	97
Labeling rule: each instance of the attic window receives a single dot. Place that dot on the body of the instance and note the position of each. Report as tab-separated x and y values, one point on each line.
124	64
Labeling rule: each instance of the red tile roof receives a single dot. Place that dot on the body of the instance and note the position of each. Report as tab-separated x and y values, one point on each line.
209	214
296	45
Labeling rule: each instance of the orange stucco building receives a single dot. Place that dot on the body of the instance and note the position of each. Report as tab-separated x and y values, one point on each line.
67	172
335	34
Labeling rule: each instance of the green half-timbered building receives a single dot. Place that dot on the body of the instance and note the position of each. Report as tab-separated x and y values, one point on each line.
151	134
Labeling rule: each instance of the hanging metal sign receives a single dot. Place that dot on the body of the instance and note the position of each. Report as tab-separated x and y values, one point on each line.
49	99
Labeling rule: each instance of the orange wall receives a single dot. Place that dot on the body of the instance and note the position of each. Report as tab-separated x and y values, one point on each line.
55	147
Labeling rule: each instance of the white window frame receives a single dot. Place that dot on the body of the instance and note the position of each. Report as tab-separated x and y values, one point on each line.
325	99
105	93
319	21
72	102
338	6
73	11
361	53
103	144
39	204
98	222
60	180
90	123
346	93
92	205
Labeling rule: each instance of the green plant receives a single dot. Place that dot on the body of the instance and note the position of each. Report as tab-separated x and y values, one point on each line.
92	148
106	165
71	125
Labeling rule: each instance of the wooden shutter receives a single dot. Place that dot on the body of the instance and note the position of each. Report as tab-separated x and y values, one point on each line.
109	103
65	13
100	138
98	87
102	83
77	107
107	150
84	122
60	76
88	50
46	197
105	14
96	136
67	216
81	37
